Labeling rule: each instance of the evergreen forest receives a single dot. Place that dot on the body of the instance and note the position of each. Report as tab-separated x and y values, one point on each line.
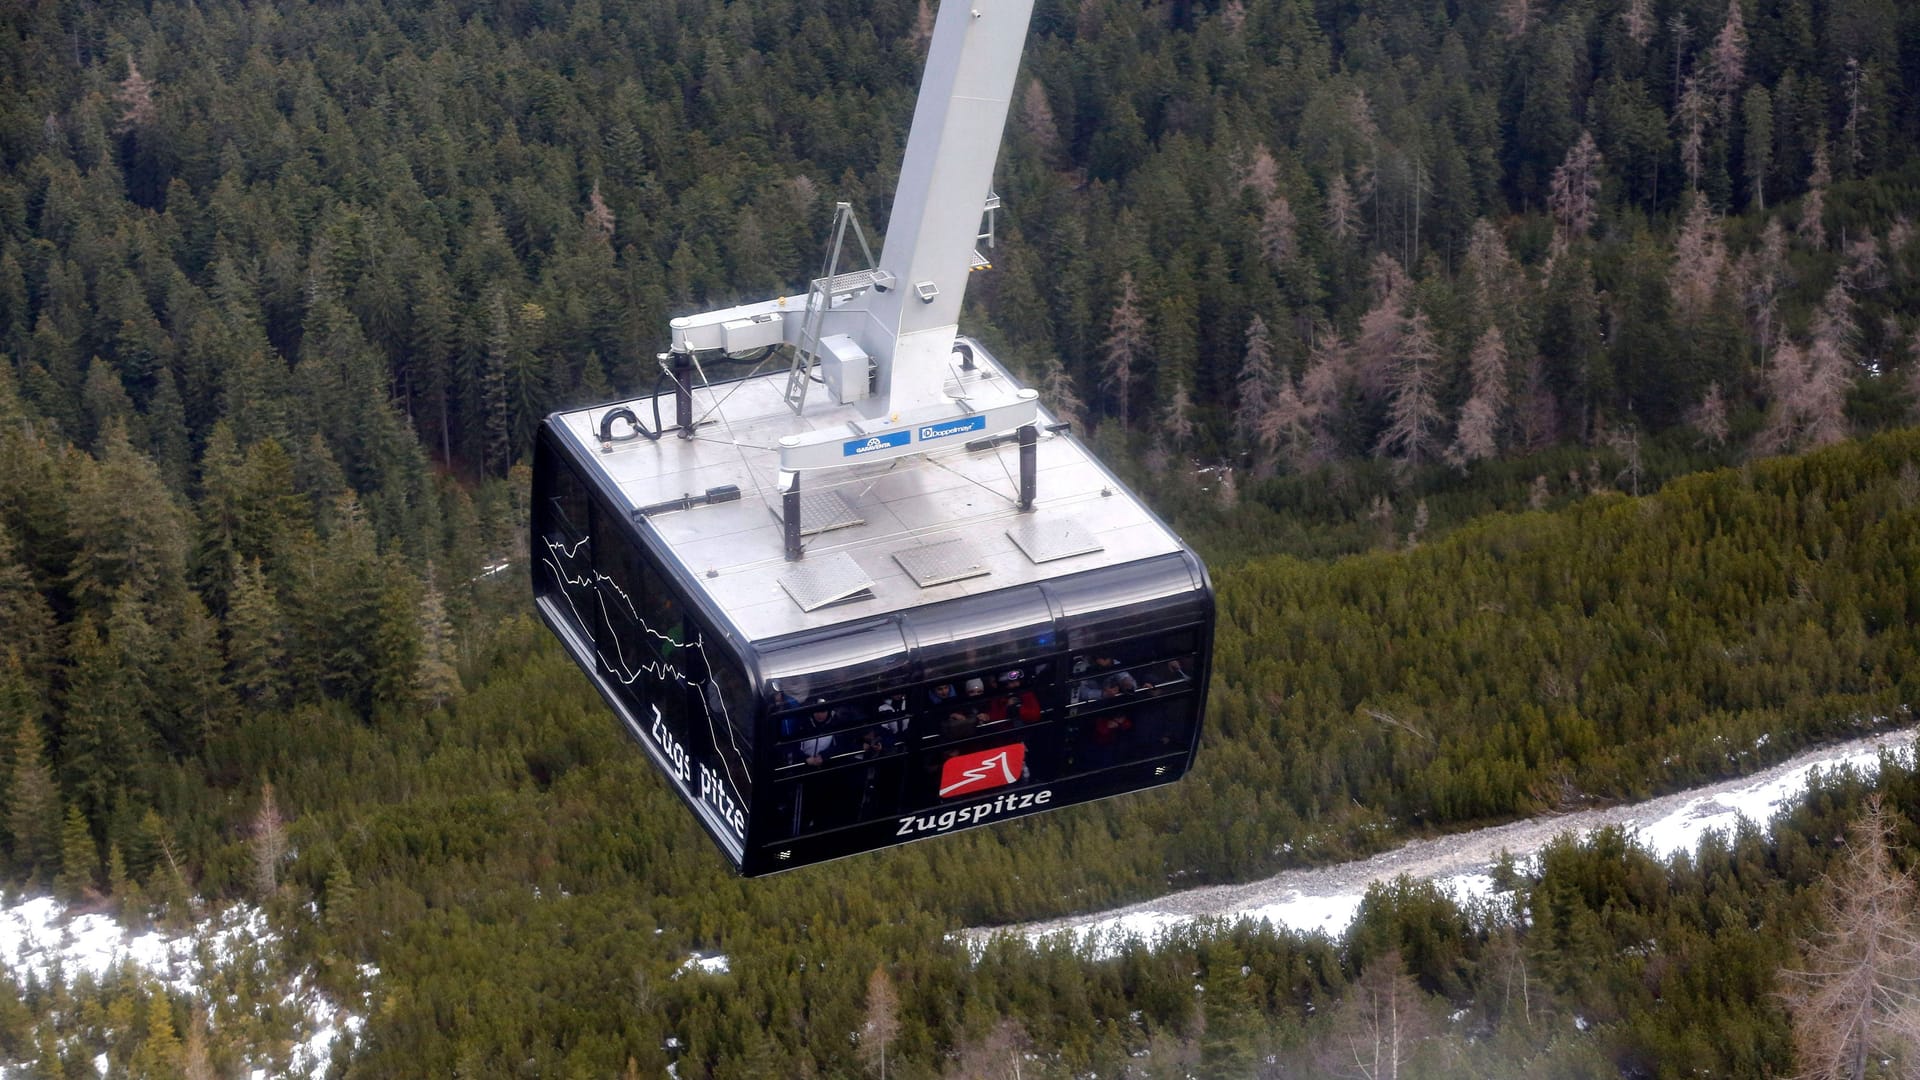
1535	376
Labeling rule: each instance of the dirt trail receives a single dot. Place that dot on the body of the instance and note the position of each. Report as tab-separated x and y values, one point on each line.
1443	856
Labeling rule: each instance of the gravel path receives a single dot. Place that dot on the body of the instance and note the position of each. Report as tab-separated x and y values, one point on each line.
1446	856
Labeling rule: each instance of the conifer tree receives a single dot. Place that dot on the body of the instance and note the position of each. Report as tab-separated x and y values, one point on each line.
435	681
1709	417
1176	419
100	743
1756	113
1763	275
1639	21
255	640
24	612
1342	210
1277	227
342	898
395	651
196	1063
1699	261
33	803
1727	61
126	527
1037	121
493	383
159	1055
79	859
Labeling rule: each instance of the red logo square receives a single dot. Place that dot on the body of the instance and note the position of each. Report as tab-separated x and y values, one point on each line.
998	766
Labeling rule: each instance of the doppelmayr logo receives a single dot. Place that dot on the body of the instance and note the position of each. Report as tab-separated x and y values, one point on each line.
953	427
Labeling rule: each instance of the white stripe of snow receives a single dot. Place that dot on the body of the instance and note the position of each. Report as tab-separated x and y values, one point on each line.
1327	898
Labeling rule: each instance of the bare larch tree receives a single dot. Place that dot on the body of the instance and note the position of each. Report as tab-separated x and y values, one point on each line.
1378	1026
1812	227
1413	414
1856	1000
1476	436
1699	261
1125	347
1575	191
269	844
882	1025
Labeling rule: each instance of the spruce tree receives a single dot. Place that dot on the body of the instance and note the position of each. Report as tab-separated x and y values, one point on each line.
33	804
255	635
79	859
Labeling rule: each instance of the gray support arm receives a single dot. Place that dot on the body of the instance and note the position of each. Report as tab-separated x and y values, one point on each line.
946	174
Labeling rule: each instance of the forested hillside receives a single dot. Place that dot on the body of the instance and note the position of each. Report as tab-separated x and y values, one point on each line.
285	289
530	892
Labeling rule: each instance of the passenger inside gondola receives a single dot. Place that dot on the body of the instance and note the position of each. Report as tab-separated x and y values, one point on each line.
959	724
816	743
1109	737
1013	701
892	714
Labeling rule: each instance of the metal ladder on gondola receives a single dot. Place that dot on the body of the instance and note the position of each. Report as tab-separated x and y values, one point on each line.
822	292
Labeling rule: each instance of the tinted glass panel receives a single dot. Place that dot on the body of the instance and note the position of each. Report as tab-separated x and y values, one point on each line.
866	658
1003	628
1103	681
1129	601
986	700
1138	728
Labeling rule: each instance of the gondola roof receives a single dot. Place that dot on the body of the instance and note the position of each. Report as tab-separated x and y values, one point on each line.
879	537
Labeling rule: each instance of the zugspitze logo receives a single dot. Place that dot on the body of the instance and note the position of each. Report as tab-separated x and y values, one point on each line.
964	774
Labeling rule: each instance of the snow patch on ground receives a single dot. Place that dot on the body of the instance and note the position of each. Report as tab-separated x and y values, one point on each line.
41	938
1327	898
36	936
1682	829
705	965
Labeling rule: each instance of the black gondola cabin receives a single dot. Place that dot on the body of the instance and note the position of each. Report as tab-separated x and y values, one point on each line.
938	659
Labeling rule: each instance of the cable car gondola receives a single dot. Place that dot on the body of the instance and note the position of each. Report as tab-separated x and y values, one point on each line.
910	606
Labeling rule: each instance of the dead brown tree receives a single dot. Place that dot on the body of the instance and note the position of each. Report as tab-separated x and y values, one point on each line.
1413	411
1476	435
1378	1026
883	1020
1125	347
1856	999
268	843
1000	1054
1575	192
